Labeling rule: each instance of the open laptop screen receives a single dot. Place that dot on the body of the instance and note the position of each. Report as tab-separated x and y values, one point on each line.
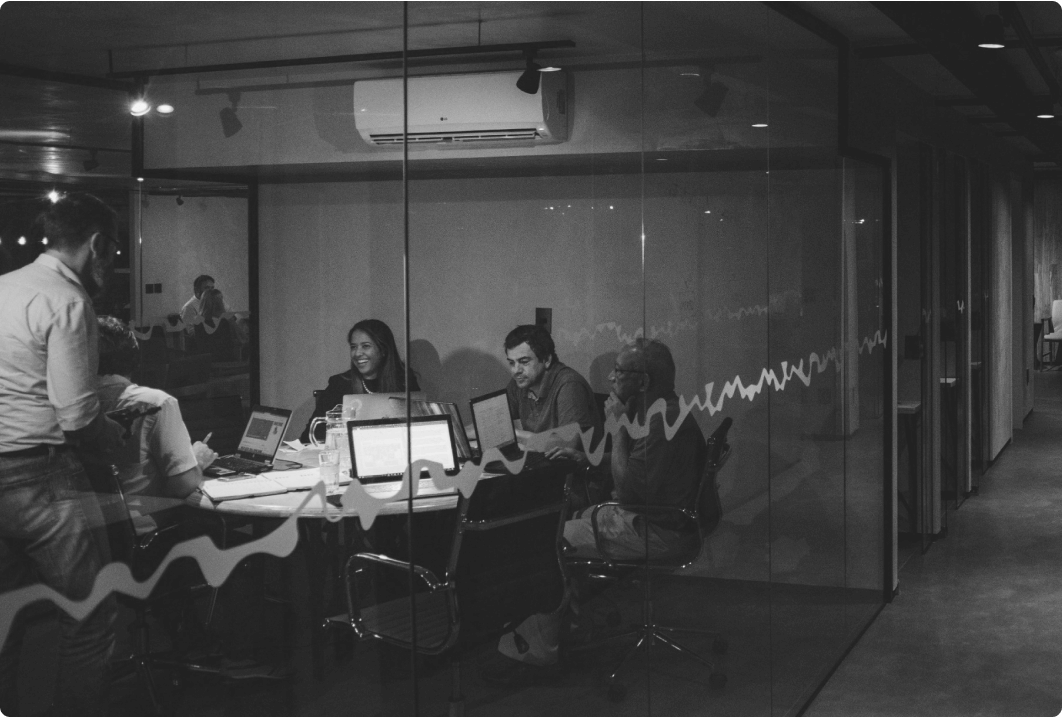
263	434
494	423
439	408
378	448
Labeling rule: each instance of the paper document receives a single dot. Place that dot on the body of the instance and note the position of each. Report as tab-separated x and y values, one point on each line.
218	490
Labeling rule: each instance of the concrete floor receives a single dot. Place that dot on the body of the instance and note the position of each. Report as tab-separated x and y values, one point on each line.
977	627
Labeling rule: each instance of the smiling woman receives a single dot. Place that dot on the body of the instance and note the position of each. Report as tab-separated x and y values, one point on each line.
375	367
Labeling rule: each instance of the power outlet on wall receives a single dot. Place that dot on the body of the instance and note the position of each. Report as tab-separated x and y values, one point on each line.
544	318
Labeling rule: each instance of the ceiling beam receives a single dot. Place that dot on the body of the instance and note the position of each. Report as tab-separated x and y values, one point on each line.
513	47
1013	16
35	73
950	32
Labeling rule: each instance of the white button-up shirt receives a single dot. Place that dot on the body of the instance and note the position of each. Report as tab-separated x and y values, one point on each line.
48	355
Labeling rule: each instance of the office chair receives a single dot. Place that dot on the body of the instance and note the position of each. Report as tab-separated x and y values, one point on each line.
1052	336
136	550
703	514
504	565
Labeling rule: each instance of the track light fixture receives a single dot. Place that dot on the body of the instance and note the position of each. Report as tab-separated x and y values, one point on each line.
139	107
529	80
992	33
91	163
711	98
230	123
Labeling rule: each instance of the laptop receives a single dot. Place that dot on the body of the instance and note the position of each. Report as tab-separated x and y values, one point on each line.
380	448
493	422
441	408
376	405
258	446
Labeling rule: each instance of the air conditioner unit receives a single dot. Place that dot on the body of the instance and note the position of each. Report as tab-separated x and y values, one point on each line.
463	110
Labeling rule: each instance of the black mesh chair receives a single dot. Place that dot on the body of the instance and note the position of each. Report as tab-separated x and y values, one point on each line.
703	517
504	565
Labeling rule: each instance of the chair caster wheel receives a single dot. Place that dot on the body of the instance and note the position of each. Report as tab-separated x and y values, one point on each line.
617	693
613	619
720	646
717	680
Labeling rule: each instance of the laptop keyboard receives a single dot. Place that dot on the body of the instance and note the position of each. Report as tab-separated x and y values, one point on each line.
240	465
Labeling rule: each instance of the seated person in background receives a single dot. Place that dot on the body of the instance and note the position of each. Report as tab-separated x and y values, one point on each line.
544	393
375	367
646	471
217	334
191	309
161	460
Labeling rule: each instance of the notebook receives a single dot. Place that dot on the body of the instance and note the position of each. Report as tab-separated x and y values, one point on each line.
493	422
440	408
380	448
258	446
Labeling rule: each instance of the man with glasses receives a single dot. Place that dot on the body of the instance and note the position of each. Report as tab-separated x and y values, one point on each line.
647	470
49	518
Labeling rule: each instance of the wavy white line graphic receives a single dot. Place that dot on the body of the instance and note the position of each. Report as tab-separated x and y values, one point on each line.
625	336
217	564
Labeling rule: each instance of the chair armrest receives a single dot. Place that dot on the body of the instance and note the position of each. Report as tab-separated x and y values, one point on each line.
362	561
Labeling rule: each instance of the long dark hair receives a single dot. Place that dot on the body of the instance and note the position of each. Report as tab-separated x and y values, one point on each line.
392	373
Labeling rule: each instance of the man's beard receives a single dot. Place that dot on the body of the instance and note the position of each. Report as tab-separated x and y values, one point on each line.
97	279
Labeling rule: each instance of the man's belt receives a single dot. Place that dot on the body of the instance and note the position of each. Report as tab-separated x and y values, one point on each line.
41	450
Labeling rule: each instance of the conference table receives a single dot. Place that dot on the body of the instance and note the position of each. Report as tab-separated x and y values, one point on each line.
327	530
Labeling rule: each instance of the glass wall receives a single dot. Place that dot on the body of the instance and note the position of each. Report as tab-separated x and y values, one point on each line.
708	269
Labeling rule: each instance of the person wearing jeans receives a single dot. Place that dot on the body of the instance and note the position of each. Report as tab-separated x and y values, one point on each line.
50	522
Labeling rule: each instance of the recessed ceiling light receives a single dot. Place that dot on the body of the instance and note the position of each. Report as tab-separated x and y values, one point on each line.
54	196
549	68
22	241
760	124
164	109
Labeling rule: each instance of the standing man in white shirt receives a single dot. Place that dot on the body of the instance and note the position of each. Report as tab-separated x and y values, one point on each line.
191	308
48	405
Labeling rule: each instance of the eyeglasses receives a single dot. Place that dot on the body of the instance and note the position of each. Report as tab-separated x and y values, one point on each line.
618	370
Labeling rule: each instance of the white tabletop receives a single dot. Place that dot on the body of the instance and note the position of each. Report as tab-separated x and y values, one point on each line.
366	501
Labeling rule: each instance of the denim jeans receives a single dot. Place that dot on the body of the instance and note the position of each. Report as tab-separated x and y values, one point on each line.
51	533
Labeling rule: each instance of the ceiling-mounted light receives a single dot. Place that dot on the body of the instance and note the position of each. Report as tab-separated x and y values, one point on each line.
180	201
53	196
91	163
44	241
1046	109
22	241
230	123
529	80
991	33
713	94
759	125
139	107
164	109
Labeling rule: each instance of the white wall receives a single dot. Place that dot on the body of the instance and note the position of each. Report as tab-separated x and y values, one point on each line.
206	235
